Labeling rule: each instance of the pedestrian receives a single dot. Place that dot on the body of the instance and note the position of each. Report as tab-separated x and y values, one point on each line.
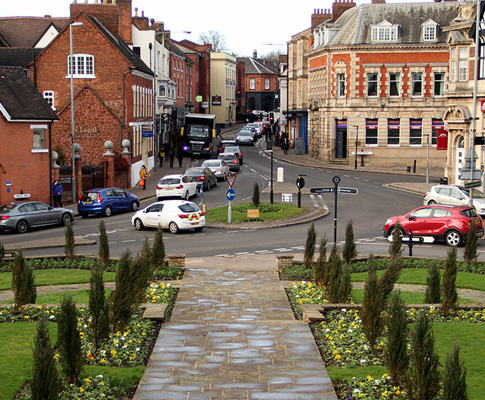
144	175
161	156
57	190
286	145
180	155
166	148
171	155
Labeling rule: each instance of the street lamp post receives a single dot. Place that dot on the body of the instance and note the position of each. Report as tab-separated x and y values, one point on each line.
356	143
427	157
71	70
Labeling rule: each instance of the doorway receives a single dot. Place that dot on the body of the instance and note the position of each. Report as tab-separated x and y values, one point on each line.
341	138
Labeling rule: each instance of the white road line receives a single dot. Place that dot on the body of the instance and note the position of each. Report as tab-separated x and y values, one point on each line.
314	201
128	241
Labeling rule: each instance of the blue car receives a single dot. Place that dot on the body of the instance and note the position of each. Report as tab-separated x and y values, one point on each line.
106	201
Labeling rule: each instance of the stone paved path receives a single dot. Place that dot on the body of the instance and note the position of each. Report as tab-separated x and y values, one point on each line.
233	336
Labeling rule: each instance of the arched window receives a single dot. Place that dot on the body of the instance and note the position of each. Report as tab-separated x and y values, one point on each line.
162	91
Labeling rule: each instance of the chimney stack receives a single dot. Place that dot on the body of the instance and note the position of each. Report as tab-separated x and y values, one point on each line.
255	53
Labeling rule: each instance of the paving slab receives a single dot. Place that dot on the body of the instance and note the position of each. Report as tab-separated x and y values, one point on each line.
233	335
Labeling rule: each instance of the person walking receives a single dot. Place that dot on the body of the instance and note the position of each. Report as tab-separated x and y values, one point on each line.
171	156
180	155
144	175
166	148
161	155
57	190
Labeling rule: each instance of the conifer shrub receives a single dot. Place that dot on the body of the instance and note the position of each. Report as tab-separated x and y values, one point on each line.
334	275
423	376
349	251
140	274
44	383
454	376
389	278
69	236
372	306
103	244
396	350
395	250
2	251
98	308
433	288
320	271
158	251
470	253
345	287
310	246
23	282
450	294
256	199
123	297
69	341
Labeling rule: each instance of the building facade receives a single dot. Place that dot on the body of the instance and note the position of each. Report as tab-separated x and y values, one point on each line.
223	88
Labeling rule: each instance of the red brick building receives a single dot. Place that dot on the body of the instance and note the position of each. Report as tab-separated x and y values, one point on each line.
113	88
25	126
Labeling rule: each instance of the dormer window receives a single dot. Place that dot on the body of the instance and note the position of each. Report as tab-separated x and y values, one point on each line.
430	31
384	32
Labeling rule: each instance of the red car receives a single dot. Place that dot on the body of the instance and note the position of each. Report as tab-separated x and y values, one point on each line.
439	222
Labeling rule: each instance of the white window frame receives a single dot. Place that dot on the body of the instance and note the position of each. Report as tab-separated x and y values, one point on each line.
414	75
393	138
429	31
419	138
372	82
83	66
266	84
38	138
252	84
439	83
341	85
396	81
462	64
49	97
384	32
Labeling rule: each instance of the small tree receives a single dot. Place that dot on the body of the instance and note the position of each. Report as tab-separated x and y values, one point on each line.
389	278
256	195
69	341
372	306
140	273
470	253
103	244
311	239
423	377
98	307
158	251
69	246
23	282
395	249
345	287
320	273
454	376
334	275
433	289
2	252
123	297
395	352
450	294
44	383
349	251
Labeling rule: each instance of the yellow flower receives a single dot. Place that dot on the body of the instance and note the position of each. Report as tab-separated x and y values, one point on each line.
338	357
398	392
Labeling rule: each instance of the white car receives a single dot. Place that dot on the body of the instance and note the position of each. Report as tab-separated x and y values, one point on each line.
454	194
176	186
218	167
174	215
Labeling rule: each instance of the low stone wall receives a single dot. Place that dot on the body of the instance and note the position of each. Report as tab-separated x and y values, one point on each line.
177	259
283	262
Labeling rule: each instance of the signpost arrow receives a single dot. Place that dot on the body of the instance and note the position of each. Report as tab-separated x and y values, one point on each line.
347	190
322	190
230	194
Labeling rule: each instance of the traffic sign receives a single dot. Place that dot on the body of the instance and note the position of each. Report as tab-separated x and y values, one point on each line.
300	182
336	180
230	179
347	190
230	194
473	184
322	190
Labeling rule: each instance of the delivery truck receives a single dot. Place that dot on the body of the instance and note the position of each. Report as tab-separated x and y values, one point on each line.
199	135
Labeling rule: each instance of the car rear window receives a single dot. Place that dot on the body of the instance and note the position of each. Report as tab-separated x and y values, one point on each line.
194	172
7	208
170	181
89	196
188	208
212	163
470	213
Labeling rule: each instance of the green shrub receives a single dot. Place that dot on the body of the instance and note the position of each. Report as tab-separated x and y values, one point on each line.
320	273
454	376
70	243
470	253
103	244
123	297
433	288
349	251
23	282
334	275
372	306
450	294
395	249
256	199
158	251
310	246
98	308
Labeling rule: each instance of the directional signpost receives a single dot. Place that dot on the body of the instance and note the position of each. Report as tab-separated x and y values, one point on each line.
230	195
472	184
335	190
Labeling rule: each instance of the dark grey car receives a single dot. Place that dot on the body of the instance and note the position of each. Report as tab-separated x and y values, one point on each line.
21	216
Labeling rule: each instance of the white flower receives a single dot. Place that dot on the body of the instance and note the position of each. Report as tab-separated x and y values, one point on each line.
366	347
52	316
363	361
356	390
377	381
168	285
99	376
344	310
350	331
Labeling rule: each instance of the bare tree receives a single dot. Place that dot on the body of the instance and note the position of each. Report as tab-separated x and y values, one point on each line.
215	38
273	55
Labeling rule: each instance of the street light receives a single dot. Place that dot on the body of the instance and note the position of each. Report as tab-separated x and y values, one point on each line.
71	70
427	157
356	143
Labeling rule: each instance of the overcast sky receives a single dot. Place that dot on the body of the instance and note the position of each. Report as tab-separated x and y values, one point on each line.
250	26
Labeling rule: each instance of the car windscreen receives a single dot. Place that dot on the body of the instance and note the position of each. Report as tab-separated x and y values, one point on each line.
89	196
244	133
7	208
169	181
198	131
187	208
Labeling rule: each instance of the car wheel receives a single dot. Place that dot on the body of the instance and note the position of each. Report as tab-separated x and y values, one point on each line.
65	219
138	224
215	182
199	229
208	188
22	226
453	238
173	227
187	195
134	206
391	231
108	211
431	202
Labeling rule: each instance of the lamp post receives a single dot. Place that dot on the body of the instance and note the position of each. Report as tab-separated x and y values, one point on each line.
427	157
356	143
71	70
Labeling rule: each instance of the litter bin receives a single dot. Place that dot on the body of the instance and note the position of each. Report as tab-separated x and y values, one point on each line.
299	146
444	180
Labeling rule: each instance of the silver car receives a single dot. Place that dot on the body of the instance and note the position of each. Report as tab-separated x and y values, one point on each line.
21	216
454	194
218	167
245	136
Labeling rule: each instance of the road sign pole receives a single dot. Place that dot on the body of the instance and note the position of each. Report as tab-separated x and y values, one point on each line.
229	213
335	215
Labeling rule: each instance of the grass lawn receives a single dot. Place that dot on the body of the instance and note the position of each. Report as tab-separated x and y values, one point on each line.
56	277
268	212
418	276
78	296
408	297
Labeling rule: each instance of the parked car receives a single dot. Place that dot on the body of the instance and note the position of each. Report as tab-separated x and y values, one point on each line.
106	201
237	151
245	136
203	177
174	215
218	167
454	194
21	216
176	186
231	160
224	143
438	222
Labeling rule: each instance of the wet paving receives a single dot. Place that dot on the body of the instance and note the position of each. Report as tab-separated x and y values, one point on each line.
233	335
